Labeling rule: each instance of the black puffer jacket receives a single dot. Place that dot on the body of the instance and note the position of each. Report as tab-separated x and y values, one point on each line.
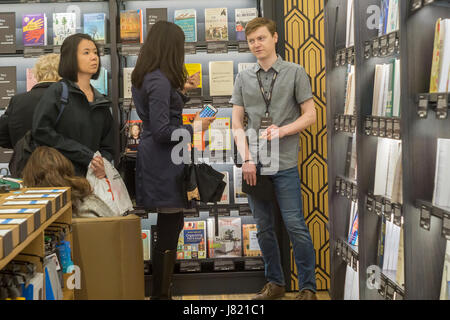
83	128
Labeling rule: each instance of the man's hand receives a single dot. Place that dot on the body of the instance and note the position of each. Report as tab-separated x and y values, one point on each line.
273	132
98	166
249	173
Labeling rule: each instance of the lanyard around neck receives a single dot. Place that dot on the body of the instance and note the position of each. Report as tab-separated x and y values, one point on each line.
267	99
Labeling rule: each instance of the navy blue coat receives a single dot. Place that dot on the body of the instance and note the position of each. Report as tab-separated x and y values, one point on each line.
160	107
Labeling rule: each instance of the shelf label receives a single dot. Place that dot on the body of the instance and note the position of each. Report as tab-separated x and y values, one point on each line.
190	48
243	46
446	225
217	47
33	52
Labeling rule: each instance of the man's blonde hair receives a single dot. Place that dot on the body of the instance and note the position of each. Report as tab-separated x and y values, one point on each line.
256	23
46	68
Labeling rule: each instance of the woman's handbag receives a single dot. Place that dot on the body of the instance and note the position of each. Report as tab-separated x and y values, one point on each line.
203	183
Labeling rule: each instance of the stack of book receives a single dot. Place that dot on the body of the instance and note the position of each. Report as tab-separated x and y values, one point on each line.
386	91
440	68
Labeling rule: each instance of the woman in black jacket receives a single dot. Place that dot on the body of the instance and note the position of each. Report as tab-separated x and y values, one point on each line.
159	82
86	124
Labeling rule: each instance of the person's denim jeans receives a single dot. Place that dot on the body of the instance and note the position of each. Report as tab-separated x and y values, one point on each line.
288	193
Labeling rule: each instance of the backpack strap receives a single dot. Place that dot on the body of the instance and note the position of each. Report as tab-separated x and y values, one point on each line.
64	99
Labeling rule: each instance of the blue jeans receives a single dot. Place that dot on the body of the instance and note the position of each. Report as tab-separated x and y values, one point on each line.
288	193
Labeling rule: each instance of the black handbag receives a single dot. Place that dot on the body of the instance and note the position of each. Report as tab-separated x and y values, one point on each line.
263	190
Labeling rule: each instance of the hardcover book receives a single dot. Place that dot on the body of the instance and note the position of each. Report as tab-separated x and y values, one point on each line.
216	24
131	26
221	78
220	134
251	245
34	28
187	20
199	137
154	15
229	241
95	26
64	24
127	82
244	16
7	32
193	68
192	241
133	132
8	85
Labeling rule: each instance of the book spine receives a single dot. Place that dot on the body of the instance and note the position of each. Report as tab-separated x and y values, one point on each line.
434	80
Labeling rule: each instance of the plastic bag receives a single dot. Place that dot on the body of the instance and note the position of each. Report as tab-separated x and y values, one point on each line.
112	189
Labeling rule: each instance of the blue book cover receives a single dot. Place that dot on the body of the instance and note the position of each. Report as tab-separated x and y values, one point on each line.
95	26
187	20
101	84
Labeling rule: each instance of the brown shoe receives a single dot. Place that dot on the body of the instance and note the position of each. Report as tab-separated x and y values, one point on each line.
271	291
306	295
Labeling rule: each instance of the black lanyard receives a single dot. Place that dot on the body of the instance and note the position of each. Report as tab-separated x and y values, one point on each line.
267	99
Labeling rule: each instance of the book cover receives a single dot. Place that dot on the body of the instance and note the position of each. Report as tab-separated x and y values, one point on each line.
31	80
250	241
244	16
186	19
192	241
64	24
221	78
131	26
216	24
220	134
193	68
390	91
246	65
353	233
146	245
34	28
350	38
101	84
229	241
127	82
393	17
442	175
133	132
8	85
239	196
95	26
199	137
211	229
434	79
154	15
397	90
7	32
444	56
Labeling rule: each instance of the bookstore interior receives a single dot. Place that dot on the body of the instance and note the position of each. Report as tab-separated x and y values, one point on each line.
374	179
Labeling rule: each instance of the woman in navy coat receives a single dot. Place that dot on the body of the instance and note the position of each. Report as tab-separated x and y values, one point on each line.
159	83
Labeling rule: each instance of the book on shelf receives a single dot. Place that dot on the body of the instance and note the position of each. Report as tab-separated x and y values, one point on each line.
221	78
146	244
349	106
440	67
31	79
131	28
228	243
353	227
186	19
239	195
381	241
127	82
245	65
94	24
154	15
351	286
199	137
133	132
64	25
7	32
8	85
392	20
386	93
193	68
101	84
216	24
441	191
388	161
250	240
350	24
242	17
192	241
34	29
445	284
220	134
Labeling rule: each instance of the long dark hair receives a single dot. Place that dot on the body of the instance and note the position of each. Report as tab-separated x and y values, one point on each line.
163	49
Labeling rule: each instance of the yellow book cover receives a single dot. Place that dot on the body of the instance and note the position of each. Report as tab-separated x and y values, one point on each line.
251	246
131	26
434	81
191	69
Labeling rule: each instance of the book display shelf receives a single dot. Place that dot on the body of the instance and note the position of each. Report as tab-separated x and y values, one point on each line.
401	128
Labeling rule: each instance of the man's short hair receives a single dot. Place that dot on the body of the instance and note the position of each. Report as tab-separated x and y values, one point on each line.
256	23
68	63
46	68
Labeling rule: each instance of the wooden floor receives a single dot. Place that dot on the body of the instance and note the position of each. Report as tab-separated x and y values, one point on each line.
321	295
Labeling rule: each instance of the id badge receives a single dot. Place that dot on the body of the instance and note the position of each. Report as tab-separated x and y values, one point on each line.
265	123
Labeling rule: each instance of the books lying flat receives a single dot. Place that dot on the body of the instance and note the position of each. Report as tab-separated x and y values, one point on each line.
216	24
8	86
95	26
221	79
7	32
440	67
229	241
154	15
64	24
442	175
131	29
186	19
250	241
101	84
192	241
244	16
34	29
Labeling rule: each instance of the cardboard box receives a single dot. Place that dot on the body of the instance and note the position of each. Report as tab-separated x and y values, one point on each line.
64	192
9	239
110	255
27	222
41	211
54	198
31	204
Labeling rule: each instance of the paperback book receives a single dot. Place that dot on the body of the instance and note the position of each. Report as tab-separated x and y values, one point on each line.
34	28
186	19
64	25
95	26
216	24
244	16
